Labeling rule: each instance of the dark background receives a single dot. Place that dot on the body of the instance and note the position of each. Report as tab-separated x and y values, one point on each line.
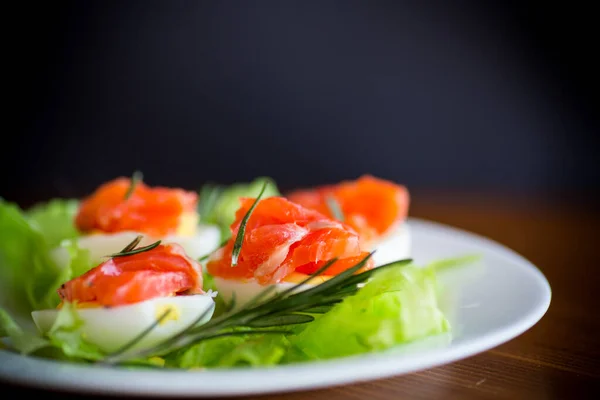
465	97
462	97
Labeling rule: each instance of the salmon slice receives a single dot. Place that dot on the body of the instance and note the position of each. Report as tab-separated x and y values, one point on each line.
337	267
160	272
154	211
281	236
323	244
275	211
373	207
264	248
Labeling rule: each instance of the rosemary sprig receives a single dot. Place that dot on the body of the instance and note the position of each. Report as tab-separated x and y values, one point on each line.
241	232
133	244
130	249
135	179
239	239
290	307
334	208
140	336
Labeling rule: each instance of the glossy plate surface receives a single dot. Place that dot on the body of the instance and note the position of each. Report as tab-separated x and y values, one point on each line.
488	304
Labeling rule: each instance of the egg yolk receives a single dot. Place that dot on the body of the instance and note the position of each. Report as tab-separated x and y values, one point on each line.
83	304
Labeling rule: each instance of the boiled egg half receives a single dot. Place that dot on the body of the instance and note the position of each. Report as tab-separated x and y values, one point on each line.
394	247
397	245
112	328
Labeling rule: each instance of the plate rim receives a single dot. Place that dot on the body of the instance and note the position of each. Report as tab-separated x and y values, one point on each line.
381	365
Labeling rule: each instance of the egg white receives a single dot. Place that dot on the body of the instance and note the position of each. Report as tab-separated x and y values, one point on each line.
246	290
395	246
206	240
111	328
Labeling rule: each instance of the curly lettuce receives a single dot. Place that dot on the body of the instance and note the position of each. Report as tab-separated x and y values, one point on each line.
232	351
398	306
30	273
62	341
29	276
55	220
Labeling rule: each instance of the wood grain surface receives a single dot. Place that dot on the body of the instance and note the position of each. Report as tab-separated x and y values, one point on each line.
558	358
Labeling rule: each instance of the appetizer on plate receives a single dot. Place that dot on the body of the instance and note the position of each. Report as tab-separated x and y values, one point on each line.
121	209
116	277
128	292
375	208
283	243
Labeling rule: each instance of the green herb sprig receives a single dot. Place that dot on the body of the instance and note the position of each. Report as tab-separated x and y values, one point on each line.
141	335
130	249
239	239
135	179
335	208
291	307
211	193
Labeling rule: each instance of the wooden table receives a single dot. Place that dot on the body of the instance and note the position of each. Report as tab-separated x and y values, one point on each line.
558	358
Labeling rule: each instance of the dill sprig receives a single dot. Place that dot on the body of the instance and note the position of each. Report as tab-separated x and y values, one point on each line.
135	179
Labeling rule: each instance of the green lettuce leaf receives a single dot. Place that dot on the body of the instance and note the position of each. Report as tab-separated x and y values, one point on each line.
232	351
74	260
398	306
29	276
447	264
55	220
66	336
63	341
220	203
22	341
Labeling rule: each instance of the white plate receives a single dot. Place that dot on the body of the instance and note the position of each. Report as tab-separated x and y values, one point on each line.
492	303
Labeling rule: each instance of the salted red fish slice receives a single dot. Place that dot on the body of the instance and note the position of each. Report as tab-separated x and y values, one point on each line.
160	272
281	236
373	207
155	211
